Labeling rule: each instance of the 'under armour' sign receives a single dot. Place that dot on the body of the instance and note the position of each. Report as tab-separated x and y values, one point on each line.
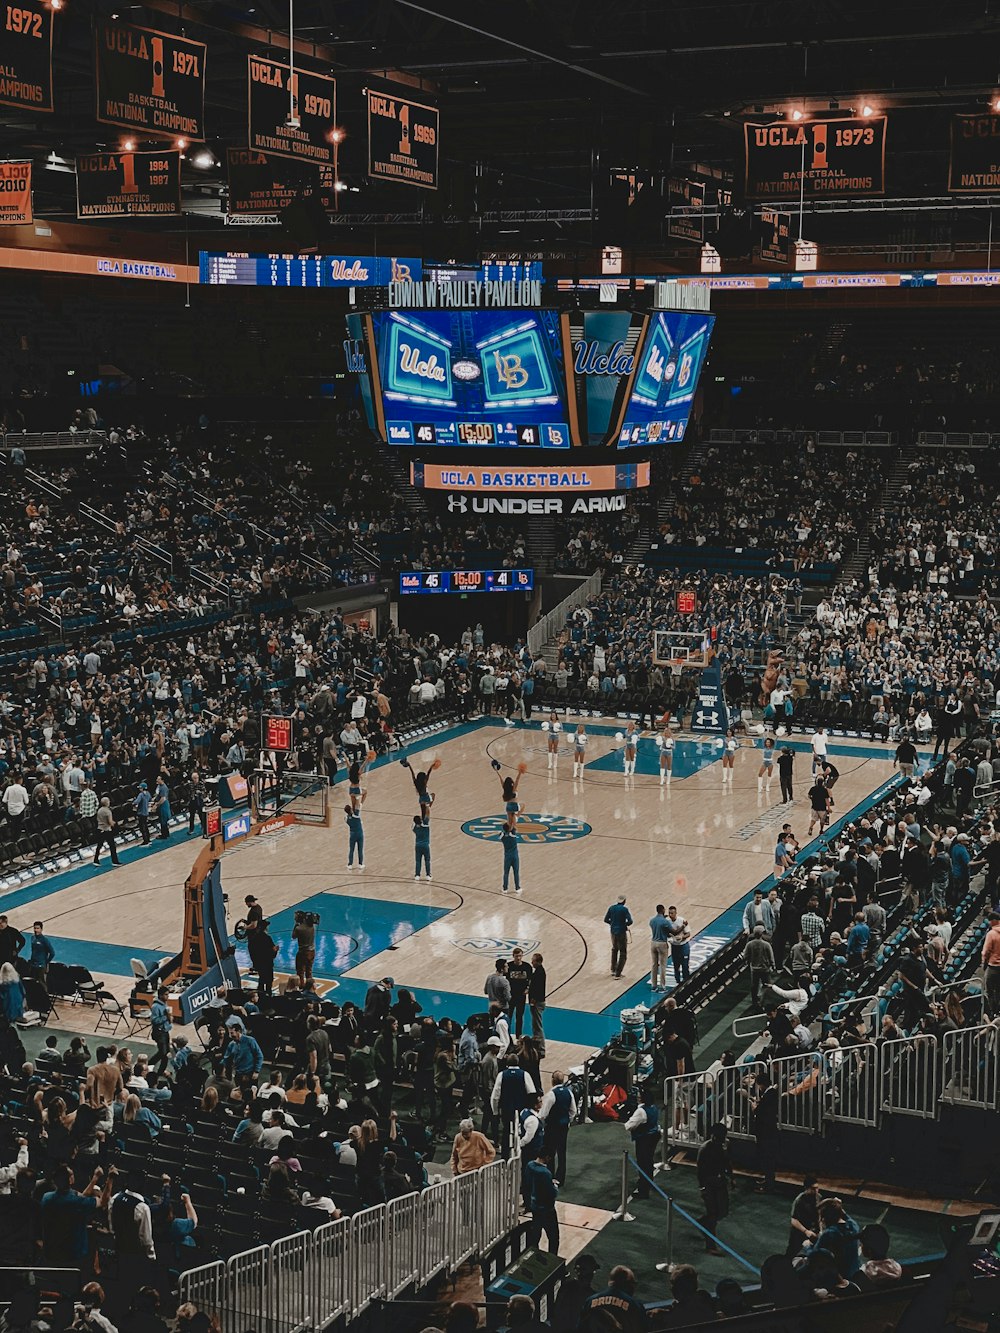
710	713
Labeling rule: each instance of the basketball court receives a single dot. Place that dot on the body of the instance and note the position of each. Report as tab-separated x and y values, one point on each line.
695	843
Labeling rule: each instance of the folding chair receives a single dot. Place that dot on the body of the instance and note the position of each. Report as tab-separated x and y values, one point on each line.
113	1013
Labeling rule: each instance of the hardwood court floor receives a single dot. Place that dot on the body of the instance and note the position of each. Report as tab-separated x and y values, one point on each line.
695	843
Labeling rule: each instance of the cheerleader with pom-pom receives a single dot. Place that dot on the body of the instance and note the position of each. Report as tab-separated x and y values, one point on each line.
766	770
630	741
425	798
355	791
579	750
729	747
508	786
666	744
553	727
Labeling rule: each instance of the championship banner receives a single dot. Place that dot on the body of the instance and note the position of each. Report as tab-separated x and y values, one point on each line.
258	184
150	82
836	158
402	140
118	185
26	55
686	194
974	167
311	101
15	193
775	244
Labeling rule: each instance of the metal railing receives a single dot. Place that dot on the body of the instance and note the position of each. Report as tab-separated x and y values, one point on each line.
844	439
52	439
957	439
549	625
306	1281
859	1085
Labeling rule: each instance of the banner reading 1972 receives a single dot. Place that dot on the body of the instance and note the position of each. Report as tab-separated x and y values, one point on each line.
15	193
118	185
833	157
402	140
974	167
26	54
152	82
278	98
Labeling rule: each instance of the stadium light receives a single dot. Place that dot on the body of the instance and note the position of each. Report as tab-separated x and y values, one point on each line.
128	145
181	144
995	104
203	160
796	114
867	110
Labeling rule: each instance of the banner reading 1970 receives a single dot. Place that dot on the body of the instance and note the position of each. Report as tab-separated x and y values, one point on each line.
831	157
151	82
291	113
26	54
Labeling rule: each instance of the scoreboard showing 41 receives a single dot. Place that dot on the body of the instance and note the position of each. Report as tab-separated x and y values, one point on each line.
467	580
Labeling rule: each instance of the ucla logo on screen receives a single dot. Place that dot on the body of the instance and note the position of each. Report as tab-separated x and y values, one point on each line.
590	360
423	367
355	356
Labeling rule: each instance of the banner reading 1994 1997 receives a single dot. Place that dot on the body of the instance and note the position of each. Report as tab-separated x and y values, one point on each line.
402	140
823	159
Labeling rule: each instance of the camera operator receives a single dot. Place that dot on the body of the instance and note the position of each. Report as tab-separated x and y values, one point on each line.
304	935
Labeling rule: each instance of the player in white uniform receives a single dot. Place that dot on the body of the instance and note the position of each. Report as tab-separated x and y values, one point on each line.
666	743
729	747
631	743
766	770
553	727
579	749
818	742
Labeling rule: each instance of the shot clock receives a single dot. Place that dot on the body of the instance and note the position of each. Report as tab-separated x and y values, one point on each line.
276	733
467	580
686	601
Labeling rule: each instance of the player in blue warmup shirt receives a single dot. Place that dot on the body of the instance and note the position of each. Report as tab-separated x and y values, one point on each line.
511	856
421	847
357	843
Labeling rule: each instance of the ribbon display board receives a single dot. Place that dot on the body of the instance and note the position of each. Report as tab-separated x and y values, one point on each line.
974	167
118	185
775	236
26	54
273	106
150	82
835	158
15	193
402	140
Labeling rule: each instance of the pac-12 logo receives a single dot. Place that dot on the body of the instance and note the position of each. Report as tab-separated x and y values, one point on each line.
530	828
510	372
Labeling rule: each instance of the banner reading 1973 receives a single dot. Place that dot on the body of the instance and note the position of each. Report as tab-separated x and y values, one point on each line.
974	167
15	193
118	185
291	114
152	82
26	54
833	157
402	140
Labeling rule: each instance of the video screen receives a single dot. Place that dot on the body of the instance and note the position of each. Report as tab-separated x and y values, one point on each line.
670	363
471	377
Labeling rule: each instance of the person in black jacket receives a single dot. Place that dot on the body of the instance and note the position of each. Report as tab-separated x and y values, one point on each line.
519	976
715	1175
764	1106
11	941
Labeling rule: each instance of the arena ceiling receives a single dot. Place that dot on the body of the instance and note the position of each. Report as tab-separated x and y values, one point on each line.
544	102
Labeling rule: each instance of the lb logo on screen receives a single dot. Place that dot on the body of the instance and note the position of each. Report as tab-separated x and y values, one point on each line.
510	371
530	828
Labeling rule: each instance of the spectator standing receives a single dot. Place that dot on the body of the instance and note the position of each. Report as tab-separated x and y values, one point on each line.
644	1127
715	1175
618	918
660	934
519	977
536	999
759	958
106	832
141	803
497	987
558	1110
41	953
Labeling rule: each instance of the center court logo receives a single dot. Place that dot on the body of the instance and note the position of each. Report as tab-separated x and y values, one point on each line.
494	948
531	828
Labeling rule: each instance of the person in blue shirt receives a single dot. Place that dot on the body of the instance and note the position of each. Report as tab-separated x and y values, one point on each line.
141	804
243	1056
839	1236
421	847
160	1022
357	837
41	953
511	855
161	804
619	918
857	941
542	1192
137	1114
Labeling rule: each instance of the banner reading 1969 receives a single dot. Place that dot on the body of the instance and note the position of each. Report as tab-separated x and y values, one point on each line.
278	96
833	157
974	167
152	82
26	54
402	140
117	185
15	193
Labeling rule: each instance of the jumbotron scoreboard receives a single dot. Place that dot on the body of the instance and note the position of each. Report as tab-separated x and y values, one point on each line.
466	580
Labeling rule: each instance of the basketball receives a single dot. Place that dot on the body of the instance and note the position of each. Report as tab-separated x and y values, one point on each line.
435	766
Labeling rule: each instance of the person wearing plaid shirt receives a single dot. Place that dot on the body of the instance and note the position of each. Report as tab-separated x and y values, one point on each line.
88	801
812	925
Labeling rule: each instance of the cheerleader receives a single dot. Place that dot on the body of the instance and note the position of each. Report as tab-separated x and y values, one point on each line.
355	791
766	770
553	727
425	798
508	786
729	748
579	749
666	744
630	742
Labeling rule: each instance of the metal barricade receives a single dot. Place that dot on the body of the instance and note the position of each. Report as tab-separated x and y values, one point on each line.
433	1231
693	1103
463	1201
909	1076
289	1302
205	1287
970	1068
248	1305
403	1242
366	1259
804	1084
852	1085
329	1272
492	1204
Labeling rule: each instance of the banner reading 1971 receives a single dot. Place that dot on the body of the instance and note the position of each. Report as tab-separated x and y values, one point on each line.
834	158
118	185
152	82
974	167
402	140
26	54
291	114
15	193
